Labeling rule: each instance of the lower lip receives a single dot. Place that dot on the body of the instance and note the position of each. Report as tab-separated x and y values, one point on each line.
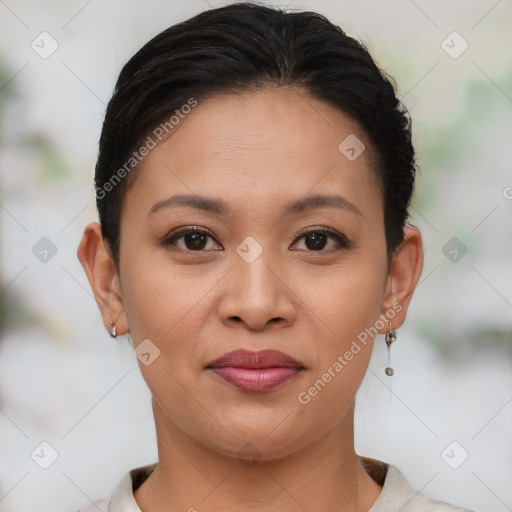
258	379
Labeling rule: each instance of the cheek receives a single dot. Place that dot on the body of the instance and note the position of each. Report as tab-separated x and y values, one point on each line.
160	310
346	309
343	353
346	302
168	306
156	295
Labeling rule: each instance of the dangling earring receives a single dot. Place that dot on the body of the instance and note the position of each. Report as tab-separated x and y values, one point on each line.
113	331
390	338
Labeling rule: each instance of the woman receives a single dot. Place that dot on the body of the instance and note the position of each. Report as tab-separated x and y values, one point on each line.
253	182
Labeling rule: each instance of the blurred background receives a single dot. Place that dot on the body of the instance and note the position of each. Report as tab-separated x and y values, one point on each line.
75	413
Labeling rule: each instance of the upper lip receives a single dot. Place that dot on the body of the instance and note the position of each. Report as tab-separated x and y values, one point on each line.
260	359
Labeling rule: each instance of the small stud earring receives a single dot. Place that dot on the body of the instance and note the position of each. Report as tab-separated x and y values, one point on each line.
113	331
390	338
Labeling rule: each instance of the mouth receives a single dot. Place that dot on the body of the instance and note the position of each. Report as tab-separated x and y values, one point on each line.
256	371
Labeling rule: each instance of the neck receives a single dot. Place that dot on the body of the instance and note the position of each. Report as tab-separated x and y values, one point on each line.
324	475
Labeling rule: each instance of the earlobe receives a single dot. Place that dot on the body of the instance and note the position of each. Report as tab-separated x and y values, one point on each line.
403	276
102	276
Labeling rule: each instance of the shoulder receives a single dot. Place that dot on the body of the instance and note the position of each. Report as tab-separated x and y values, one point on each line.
412	500
122	499
422	503
416	501
398	494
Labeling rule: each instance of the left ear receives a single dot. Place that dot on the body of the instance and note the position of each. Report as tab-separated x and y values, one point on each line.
404	273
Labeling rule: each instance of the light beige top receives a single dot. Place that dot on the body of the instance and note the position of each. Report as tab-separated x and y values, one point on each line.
396	495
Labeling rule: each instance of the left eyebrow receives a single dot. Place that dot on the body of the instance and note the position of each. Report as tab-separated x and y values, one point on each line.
321	201
218	206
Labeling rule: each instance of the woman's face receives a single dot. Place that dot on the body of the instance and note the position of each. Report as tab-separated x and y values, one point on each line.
263	275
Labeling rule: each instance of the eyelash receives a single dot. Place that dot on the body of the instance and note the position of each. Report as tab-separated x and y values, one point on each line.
342	240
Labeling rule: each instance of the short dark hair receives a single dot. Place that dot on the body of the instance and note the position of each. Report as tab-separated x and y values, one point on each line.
245	47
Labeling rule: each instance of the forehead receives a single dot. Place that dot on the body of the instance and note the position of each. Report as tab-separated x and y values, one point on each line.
265	143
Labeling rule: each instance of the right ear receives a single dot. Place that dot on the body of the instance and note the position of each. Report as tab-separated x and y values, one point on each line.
103	278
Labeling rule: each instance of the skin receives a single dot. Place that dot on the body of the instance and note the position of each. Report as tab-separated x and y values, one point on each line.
256	151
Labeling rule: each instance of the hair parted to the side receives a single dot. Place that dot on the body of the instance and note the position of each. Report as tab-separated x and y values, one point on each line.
244	47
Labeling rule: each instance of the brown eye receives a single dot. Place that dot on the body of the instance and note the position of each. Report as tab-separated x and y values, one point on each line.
193	239
318	239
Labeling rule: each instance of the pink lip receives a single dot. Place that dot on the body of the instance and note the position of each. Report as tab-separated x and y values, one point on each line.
256	371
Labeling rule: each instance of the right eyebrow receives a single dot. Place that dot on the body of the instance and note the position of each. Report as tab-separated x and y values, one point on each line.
193	201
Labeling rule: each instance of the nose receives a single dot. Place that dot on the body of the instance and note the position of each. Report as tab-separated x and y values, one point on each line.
257	295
